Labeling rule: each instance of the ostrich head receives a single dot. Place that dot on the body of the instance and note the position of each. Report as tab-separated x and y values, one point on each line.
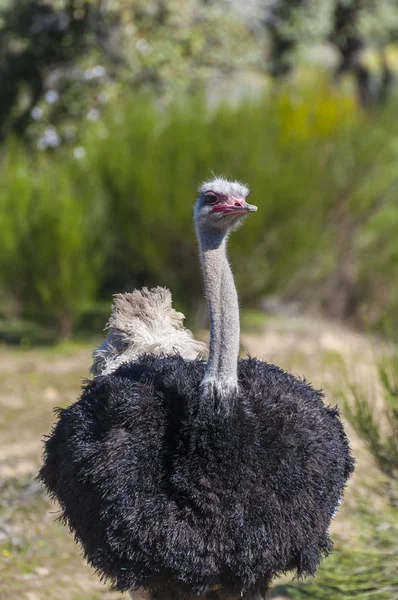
221	205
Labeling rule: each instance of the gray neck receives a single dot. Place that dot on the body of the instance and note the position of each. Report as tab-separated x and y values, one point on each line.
221	377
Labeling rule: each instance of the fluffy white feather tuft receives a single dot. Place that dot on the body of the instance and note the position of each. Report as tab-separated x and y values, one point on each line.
144	322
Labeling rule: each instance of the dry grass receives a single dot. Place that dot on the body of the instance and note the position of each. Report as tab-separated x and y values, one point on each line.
38	558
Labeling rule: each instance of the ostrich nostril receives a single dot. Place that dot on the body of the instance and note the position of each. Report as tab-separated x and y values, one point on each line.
237	204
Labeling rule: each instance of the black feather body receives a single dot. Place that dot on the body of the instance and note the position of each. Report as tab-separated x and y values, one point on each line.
160	485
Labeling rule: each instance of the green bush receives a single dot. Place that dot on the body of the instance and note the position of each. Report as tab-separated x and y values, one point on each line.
365	569
367	566
151	161
376	420
322	173
51	232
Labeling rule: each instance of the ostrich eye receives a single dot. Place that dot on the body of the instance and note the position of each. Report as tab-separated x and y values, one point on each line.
210	198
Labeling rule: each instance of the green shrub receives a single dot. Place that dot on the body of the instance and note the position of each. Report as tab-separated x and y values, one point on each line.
363	570
366	567
151	161
50	248
375	420
322	173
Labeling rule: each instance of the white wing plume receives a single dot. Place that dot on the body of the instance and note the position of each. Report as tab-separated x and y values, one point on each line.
144	322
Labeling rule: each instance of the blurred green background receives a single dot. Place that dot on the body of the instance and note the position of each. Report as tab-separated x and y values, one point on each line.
111	114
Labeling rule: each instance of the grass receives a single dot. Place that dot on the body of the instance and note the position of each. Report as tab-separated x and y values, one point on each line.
38	557
367	569
377	425
364	570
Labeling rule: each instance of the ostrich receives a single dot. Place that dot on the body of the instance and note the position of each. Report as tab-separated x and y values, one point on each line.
183	478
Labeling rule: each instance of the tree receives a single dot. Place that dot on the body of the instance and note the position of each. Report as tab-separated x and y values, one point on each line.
350	26
35	38
61	61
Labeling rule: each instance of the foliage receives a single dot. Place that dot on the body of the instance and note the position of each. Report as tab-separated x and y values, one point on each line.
348	26
377	425
309	21
116	212
151	169
61	62
176	44
366	569
50	252
37	37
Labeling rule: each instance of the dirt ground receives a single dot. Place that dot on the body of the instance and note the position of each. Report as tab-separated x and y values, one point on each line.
38	557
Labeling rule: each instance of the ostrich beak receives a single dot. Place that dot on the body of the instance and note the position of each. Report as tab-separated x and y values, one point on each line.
251	207
235	206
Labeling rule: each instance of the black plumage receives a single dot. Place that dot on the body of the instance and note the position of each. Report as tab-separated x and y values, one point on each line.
165	487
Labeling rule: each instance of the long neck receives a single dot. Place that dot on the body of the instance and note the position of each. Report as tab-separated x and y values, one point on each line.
221	376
